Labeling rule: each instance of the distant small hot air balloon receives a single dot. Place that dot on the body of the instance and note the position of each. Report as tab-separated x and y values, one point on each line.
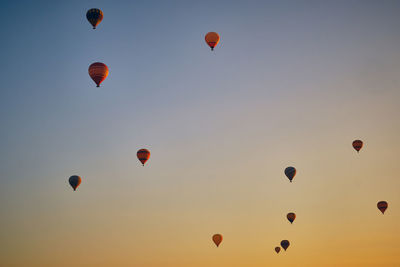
357	145
277	249
290	172
285	244
98	72
217	238
143	155
212	39
382	206
94	16
75	181
291	217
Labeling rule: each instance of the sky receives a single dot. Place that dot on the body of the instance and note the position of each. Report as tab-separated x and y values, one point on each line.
291	83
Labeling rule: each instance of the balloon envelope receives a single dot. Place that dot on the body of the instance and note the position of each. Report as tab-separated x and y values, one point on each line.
285	244
277	249
291	217
290	172
212	39
98	72
94	16
382	206
143	155
217	238
75	181
357	145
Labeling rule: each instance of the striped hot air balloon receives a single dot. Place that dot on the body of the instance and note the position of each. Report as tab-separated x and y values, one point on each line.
94	16
98	72
357	145
382	206
212	39
143	155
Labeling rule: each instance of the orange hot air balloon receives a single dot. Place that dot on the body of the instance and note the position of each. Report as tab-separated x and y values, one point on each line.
75	181
94	16
143	155
212	39
98	72
357	145
277	249
285	244
217	238
291	217
290	172
382	206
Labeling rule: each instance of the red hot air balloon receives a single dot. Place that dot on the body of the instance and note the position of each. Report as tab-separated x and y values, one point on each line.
98	72
143	155
75	181
382	206
291	217
285	244
212	39
357	145
290	172
217	238
277	249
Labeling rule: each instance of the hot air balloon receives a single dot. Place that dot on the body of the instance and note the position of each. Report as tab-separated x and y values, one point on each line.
98	72
217	238
357	144
290	172
143	155
277	249
285	244
94	16
382	206
75	181
291	217
212	39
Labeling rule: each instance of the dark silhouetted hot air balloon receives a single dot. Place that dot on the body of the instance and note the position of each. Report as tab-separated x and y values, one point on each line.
143	155
291	217
98	72
277	249
75	181
217	238
357	144
94	16
382	206
212	39
285	244
290	172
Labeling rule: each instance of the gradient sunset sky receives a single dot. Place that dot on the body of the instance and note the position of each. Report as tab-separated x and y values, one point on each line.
291	83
